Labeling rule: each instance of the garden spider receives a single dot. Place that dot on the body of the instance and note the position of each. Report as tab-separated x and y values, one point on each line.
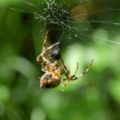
53	66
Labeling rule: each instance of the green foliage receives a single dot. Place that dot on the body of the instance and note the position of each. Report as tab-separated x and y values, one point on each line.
95	97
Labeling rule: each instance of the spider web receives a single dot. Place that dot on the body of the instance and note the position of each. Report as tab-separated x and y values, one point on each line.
74	22
79	26
77	21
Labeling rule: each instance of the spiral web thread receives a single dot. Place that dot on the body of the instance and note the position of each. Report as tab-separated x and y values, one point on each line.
67	23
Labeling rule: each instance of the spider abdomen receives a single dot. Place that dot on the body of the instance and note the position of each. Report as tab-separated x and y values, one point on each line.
47	81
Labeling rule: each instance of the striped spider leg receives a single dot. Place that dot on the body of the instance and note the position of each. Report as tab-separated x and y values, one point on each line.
70	77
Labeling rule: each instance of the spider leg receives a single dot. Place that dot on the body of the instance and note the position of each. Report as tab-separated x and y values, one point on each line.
87	69
84	72
45	40
44	51
67	73
65	68
73	76
44	47
76	69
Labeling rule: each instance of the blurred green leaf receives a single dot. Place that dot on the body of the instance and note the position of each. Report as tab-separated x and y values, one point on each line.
4	93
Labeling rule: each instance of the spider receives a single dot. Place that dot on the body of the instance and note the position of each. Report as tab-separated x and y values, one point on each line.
53	66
